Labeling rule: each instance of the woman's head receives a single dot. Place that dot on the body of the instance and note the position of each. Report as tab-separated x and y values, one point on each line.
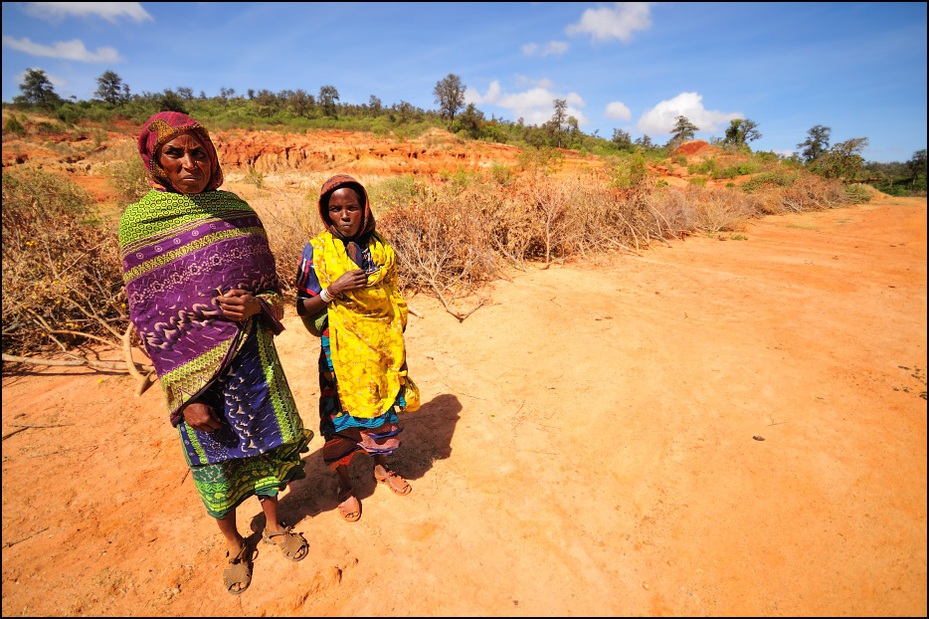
344	208
179	154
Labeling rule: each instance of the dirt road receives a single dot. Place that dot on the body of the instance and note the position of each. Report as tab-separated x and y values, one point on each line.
717	427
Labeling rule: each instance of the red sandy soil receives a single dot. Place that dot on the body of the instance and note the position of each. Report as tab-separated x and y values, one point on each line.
711	428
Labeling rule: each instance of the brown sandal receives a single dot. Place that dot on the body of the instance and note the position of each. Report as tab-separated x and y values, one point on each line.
293	545
393	481
349	506
238	576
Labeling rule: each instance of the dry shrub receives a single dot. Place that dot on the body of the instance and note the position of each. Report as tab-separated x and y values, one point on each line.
637	215
290	219
126	172
441	238
810	192
62	276
706	210
554	216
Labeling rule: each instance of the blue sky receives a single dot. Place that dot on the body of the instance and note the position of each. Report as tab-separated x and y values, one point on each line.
858	68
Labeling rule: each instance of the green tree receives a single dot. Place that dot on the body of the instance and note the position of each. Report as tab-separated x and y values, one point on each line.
301	103
645	143
917	167
684	130
449	96
110	88
170	101
622	140
37	90
328	100
268	103
842	161
470	121
741	131
816	143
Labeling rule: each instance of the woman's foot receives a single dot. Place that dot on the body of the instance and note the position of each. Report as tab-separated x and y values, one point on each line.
391	479
238	576
293	545
349	505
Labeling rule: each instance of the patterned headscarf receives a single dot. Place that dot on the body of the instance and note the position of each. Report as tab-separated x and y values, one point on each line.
354	244
163	127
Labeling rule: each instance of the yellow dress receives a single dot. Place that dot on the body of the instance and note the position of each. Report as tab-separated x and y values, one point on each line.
366	330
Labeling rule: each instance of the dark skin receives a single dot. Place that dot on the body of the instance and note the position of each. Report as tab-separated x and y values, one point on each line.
345	212
187	164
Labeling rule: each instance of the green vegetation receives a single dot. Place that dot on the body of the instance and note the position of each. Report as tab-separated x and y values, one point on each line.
295	111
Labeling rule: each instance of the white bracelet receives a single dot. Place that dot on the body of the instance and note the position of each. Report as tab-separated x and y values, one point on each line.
325	296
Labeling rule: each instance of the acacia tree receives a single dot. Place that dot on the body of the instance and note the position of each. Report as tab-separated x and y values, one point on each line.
741	131
110	88
37	90
684	130
449	96
816	143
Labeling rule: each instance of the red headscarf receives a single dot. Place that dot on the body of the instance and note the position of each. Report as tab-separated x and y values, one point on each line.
355	244
163	127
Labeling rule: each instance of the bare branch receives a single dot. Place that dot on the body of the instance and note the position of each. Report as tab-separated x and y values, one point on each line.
75	362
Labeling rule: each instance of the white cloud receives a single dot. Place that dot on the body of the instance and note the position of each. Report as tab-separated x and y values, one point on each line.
618	22
66	50
552	48
544	82
535	105
618	111
110	11
662	117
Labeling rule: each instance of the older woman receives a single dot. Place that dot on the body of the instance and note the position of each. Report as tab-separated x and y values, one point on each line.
205	300
347	294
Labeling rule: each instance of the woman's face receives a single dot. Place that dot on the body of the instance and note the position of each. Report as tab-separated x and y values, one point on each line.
186	162
345	211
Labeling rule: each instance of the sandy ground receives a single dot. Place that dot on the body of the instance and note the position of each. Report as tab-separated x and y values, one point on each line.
727	427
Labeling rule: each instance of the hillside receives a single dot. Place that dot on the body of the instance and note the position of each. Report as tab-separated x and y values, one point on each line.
83	154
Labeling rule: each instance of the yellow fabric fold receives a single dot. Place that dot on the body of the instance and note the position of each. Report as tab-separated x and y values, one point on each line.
366	329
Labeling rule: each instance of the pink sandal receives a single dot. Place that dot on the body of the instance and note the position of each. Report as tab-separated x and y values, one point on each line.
393	481
349	506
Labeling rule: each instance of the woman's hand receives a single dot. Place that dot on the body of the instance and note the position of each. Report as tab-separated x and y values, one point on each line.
201	417
348	281
238	305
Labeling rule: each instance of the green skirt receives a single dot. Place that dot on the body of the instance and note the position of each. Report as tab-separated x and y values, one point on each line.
225	485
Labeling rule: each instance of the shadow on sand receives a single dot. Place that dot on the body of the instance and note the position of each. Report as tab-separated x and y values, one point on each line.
427	437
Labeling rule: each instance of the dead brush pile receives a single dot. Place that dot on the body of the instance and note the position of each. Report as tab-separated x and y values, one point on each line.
453	234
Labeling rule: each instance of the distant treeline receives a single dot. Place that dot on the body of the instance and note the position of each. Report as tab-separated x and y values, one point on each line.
297	110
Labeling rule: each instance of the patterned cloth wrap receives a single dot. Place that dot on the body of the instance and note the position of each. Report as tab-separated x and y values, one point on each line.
178	251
